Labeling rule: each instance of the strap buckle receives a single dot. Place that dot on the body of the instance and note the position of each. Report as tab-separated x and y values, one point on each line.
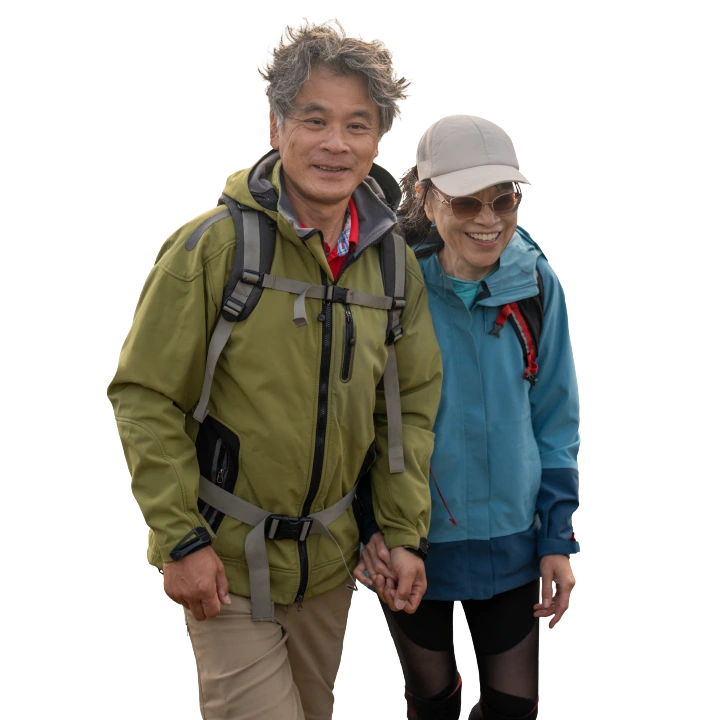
394	334
283	527
339	294
398	302
233	306
251	277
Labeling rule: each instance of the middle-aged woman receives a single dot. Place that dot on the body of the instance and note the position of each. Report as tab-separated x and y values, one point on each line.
504	479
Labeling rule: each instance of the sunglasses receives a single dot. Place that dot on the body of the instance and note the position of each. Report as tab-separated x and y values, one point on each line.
465	207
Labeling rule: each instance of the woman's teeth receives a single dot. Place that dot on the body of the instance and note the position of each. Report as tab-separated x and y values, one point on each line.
483	237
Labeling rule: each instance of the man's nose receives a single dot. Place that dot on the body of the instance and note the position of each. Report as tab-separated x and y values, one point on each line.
334	139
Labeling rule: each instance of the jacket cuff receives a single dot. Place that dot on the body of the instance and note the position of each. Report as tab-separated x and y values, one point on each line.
171	542
550	546
401	538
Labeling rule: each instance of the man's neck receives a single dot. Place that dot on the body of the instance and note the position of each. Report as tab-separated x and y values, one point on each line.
329	219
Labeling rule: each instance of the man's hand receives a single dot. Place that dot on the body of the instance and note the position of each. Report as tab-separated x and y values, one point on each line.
555	568
198	583
411	581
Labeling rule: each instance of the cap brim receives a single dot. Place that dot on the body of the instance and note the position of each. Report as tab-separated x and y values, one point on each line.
472	180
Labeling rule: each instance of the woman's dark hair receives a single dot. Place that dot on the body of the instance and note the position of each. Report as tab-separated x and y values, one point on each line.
419	232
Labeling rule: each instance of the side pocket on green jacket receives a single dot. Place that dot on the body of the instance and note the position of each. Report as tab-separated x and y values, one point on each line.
218	451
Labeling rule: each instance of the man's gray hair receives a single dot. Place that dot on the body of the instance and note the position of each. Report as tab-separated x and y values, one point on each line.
310	45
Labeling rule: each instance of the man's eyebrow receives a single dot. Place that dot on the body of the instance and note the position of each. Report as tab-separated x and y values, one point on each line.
312	107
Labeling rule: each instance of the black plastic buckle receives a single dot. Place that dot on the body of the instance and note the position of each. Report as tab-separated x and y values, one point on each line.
339	294
196	539
282	527
394	334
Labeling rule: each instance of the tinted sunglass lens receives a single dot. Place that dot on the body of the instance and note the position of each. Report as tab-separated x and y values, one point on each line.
505	204
465	207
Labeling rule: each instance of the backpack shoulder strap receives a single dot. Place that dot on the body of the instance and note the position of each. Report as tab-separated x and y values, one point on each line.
254	250
533	310
526	318
392	259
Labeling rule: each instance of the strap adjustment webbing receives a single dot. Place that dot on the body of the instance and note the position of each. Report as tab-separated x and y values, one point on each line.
391	382
268	526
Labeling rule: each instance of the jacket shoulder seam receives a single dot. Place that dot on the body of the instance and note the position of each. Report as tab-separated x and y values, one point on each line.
200	270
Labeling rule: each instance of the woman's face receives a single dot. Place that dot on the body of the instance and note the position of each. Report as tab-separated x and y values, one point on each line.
472	247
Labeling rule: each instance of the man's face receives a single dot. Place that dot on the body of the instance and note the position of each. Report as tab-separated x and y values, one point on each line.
327	146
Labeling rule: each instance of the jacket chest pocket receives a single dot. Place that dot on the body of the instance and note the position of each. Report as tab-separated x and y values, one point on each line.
218	453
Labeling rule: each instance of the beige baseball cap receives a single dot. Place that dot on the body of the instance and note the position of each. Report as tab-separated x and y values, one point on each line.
463	154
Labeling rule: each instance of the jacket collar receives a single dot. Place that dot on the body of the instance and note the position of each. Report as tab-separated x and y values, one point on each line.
265	185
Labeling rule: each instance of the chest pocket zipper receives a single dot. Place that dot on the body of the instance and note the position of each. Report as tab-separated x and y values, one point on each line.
218	472
349	346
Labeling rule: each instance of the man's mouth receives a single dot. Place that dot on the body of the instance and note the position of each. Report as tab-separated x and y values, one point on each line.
330	168
484	237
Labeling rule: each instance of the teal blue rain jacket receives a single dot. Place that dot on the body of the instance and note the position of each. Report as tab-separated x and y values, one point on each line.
504	470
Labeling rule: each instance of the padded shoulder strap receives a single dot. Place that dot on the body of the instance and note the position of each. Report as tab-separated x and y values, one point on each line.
254	255
392	257
533	311
254	249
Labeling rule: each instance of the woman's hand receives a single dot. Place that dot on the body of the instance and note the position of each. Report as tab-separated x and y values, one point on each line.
555	568
375	559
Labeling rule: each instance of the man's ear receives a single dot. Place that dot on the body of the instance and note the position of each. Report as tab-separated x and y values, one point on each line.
274	132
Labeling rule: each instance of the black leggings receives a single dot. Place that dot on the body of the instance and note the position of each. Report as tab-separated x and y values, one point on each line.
505	638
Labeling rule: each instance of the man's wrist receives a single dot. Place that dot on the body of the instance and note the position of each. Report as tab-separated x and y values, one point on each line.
197	539
422	551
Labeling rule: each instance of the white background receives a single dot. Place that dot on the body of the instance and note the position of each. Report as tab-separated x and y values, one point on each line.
120	123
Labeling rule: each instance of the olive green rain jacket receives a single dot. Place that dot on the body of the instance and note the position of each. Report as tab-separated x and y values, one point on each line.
274	436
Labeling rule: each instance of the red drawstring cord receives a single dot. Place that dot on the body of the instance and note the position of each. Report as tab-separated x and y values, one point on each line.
452	519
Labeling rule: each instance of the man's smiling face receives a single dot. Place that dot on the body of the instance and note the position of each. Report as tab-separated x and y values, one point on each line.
328	144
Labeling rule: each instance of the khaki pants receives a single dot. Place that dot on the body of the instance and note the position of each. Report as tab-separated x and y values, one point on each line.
282	670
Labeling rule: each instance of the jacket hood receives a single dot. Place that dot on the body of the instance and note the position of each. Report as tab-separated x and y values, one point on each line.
514	279
262	186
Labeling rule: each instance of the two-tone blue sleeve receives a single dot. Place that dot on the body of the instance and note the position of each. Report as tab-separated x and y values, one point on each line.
556	419
367	525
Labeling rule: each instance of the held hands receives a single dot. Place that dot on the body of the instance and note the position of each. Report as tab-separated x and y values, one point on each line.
555	568
397	575
198	583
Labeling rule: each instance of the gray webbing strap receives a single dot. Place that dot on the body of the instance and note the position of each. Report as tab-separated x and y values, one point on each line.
219	339
255	548
321	292
299	309
233	305
391	381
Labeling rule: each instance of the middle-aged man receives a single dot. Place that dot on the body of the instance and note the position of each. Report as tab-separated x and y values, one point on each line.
297	406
